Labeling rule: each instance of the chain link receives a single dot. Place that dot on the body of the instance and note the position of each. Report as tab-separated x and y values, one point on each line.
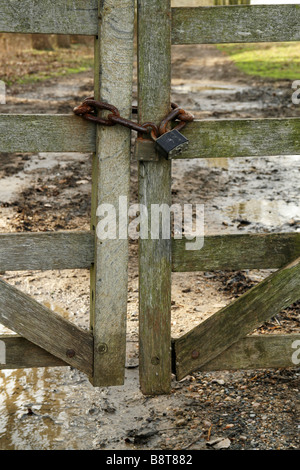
90	107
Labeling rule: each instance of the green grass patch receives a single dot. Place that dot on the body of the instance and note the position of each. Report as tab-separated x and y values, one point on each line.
31	66
277	61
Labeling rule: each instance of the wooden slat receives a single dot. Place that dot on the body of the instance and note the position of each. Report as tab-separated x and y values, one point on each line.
22	354
46	133
111	180
236	138
46	250
49	16
257	352
216	25
45	328
220	331
234	252
154	44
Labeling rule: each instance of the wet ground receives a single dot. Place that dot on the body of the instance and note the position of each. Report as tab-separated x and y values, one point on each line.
57	408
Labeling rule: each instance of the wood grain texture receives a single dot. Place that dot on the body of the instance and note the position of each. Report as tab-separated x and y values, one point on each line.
235	252
111	174
220	331
46	250
22	354
45	328
257	352
240	24
227	138
46	133
49	16
154	72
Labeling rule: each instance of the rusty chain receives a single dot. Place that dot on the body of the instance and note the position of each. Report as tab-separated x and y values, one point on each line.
90	107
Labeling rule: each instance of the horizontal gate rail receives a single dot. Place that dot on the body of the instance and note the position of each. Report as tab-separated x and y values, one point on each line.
49	16
46	251
235	252
257	352
46	133
22	354
45	328
208	138
229	138
220	331
216	25
190	25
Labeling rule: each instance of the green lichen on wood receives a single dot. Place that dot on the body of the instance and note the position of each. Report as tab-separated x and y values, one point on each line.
211	25
235	252
238	138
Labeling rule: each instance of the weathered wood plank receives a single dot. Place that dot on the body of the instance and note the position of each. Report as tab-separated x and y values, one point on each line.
46	133
216	25
46	250
49	16
238	251
229	138
45	328
111	175
258	352
22	354
154	44
208	138
220	331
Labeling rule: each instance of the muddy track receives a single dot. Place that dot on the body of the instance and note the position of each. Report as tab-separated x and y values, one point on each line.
58	408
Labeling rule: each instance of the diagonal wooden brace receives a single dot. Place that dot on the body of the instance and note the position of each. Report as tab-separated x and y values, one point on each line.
232	323
45	328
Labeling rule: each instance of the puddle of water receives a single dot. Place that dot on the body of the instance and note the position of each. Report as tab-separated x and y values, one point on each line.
25	403
32	410
57	91
195	87
223	96
268	213
263	191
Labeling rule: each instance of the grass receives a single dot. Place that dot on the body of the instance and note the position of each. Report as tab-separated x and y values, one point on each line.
277	61
30	66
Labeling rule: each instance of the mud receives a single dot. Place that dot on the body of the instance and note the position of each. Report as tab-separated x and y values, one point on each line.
56	408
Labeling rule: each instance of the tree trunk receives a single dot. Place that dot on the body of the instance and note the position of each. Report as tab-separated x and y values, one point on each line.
77	39
63	41
41	42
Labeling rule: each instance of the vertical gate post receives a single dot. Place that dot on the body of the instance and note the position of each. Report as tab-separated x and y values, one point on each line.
154	78
111	176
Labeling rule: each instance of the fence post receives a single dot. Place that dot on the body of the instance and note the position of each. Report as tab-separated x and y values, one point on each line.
111	171
154	66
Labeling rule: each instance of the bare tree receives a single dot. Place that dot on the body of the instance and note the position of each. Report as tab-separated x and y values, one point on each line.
78	39
41	42
63	41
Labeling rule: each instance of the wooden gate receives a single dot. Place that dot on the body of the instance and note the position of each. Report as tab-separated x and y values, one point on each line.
46	339
221	341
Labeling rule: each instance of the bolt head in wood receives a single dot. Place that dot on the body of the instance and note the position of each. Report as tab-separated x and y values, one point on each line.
155	360
195	354
70	353
102	348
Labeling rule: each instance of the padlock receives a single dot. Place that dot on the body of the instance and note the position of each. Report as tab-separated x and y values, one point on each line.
171	143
